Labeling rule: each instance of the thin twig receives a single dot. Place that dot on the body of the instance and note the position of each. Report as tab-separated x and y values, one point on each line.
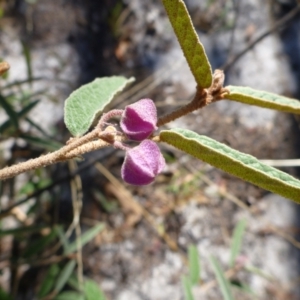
236	7
202	98
75	148
127	201
223	193
285	236
7	211
288	17
281	162
228	274
76	191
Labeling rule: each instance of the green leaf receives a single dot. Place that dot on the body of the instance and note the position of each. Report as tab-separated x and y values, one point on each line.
237	239
243	288
13	116
70	295
4	295
73	282
4	126
194	266
259	272
39	244
233	162
61	234
92	290
49	281
86	103
222	281
21	231
41	142
263	99
18	83
64	275
187	287
106	204
85	238
27	56
40	129
189	42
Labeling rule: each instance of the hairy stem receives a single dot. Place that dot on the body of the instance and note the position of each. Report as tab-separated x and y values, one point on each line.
74	149
202	98
199	101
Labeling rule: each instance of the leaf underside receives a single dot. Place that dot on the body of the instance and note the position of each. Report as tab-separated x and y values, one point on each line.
233	162
86	103
263	99
189	42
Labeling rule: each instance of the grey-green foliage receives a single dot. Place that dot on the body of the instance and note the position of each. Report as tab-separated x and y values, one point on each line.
234	162
87	102
265	99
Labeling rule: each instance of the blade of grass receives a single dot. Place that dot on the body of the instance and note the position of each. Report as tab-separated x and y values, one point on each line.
71	295
259	272
4	126
21	231
187	287
237	239
41	142
38	245
49	281
85	237
64	276
60	233
40	129
222	281
20	82
194	265
13	116
243	288
27	56
73	282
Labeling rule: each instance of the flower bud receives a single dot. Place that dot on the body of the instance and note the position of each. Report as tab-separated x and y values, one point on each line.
142	163
139	119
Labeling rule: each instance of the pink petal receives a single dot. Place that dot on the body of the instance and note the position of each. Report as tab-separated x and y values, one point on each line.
139	119
142	163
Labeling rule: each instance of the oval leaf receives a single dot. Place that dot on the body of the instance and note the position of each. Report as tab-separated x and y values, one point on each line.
87	102
92	291
263	99
233	162
189	42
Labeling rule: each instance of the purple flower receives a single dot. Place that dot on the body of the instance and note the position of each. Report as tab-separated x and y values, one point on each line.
142	163
139	119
